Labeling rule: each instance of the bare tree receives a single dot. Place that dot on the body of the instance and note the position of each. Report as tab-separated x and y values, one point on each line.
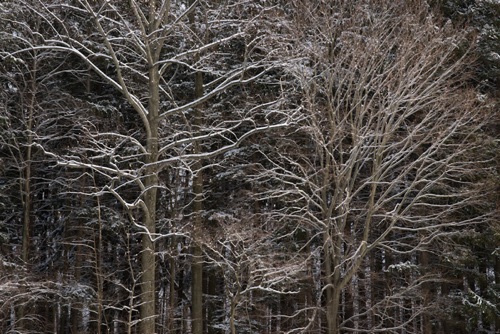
371	170
142	49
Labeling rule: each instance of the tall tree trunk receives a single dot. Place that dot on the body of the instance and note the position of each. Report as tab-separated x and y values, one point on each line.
98	270
172	304
148	260
197	253
332	289
27	198
197	289
26	183
76	308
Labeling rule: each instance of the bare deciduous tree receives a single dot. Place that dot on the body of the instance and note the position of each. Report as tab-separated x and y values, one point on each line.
141	49
390	122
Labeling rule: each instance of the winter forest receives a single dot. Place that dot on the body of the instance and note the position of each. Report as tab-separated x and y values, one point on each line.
249	166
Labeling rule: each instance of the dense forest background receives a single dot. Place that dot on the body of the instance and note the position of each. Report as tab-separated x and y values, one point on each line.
262	166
